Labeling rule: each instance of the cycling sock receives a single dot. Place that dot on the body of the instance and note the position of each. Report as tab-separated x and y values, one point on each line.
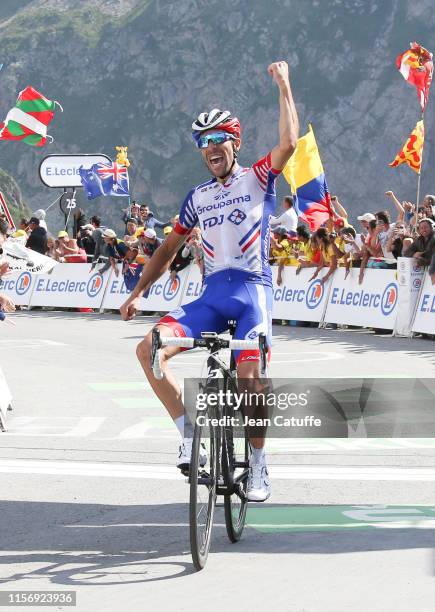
179	423
184	426
258	455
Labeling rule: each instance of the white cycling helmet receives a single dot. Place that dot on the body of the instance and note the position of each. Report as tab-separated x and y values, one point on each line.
207	121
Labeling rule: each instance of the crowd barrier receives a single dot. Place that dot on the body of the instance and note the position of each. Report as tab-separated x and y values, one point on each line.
402	300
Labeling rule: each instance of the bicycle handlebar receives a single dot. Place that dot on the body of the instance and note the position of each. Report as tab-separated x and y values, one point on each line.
201	342
204	342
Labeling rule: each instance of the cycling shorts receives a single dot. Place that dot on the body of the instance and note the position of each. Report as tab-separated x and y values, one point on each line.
227	295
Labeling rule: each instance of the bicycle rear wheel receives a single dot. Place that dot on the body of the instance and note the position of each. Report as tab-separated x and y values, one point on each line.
235	466
203	483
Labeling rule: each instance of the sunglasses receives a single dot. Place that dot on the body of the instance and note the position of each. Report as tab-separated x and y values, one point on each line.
216	138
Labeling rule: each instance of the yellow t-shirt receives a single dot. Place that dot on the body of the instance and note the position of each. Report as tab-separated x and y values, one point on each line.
327	254
284	255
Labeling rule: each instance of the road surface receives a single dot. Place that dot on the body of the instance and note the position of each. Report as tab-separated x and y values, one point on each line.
91	501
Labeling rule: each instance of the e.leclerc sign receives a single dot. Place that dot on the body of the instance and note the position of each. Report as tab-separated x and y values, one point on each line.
63	170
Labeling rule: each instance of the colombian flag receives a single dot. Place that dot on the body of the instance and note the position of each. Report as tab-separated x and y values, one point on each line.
412	150
304	173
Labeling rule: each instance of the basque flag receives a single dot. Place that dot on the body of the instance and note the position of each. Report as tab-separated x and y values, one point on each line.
105	180
304	173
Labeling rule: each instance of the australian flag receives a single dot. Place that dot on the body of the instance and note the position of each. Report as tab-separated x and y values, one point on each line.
105	180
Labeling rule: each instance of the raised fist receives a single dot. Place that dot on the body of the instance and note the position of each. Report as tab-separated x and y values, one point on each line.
279	72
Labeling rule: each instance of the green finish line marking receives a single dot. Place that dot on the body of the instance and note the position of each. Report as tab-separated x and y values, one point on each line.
119	386
339	518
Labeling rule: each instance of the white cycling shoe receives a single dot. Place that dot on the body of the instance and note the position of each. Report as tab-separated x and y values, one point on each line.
185	453
258	482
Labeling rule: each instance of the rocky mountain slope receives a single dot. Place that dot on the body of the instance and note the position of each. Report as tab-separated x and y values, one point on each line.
135	72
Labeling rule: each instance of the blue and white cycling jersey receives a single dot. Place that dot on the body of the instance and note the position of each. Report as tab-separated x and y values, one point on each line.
234	219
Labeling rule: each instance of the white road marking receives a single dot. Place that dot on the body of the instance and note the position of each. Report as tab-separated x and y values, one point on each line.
169	472
29	343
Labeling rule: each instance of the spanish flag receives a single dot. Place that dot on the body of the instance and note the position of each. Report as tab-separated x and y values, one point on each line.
304	173
412	150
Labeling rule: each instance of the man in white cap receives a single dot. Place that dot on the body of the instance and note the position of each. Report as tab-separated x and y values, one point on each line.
116	249
364	222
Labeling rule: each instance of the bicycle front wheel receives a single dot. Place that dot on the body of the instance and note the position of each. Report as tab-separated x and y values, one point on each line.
235	469
203	482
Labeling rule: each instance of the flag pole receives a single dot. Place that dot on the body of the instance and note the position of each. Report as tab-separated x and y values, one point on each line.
421	166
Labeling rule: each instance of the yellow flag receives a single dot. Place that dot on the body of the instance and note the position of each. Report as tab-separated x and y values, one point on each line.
412	150
305	163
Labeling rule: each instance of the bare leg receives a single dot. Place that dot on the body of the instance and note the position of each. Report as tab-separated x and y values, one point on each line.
167	390
249	371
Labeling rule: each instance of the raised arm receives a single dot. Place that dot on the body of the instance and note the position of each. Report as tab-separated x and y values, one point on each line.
288	117
397	204
338	207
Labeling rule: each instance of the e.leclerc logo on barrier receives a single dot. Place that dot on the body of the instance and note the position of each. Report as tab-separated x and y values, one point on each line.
363	299
389	299
23	283
94	285
171	288
314	295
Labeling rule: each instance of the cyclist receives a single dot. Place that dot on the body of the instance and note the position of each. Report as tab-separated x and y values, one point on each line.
233	210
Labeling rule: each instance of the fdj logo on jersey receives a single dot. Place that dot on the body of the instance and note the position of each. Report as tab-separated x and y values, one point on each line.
94	285
212	221
314	294
389	299
171	288
23	283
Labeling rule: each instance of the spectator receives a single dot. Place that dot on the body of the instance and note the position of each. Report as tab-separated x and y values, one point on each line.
101	252
52	245
328	255
147	245
432	269
40	214
288	219
281	251
23	224
6	304
79	222
371	247
364	222
429	207
339	217
86	240
302	247
117	250
182	259
385	231
131	213
147	218
20	236
349	249
399	240
37	240
68	250
131	228
193	246
399	207
423	247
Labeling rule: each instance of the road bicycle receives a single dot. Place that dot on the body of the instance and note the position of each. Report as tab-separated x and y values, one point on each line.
225	440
